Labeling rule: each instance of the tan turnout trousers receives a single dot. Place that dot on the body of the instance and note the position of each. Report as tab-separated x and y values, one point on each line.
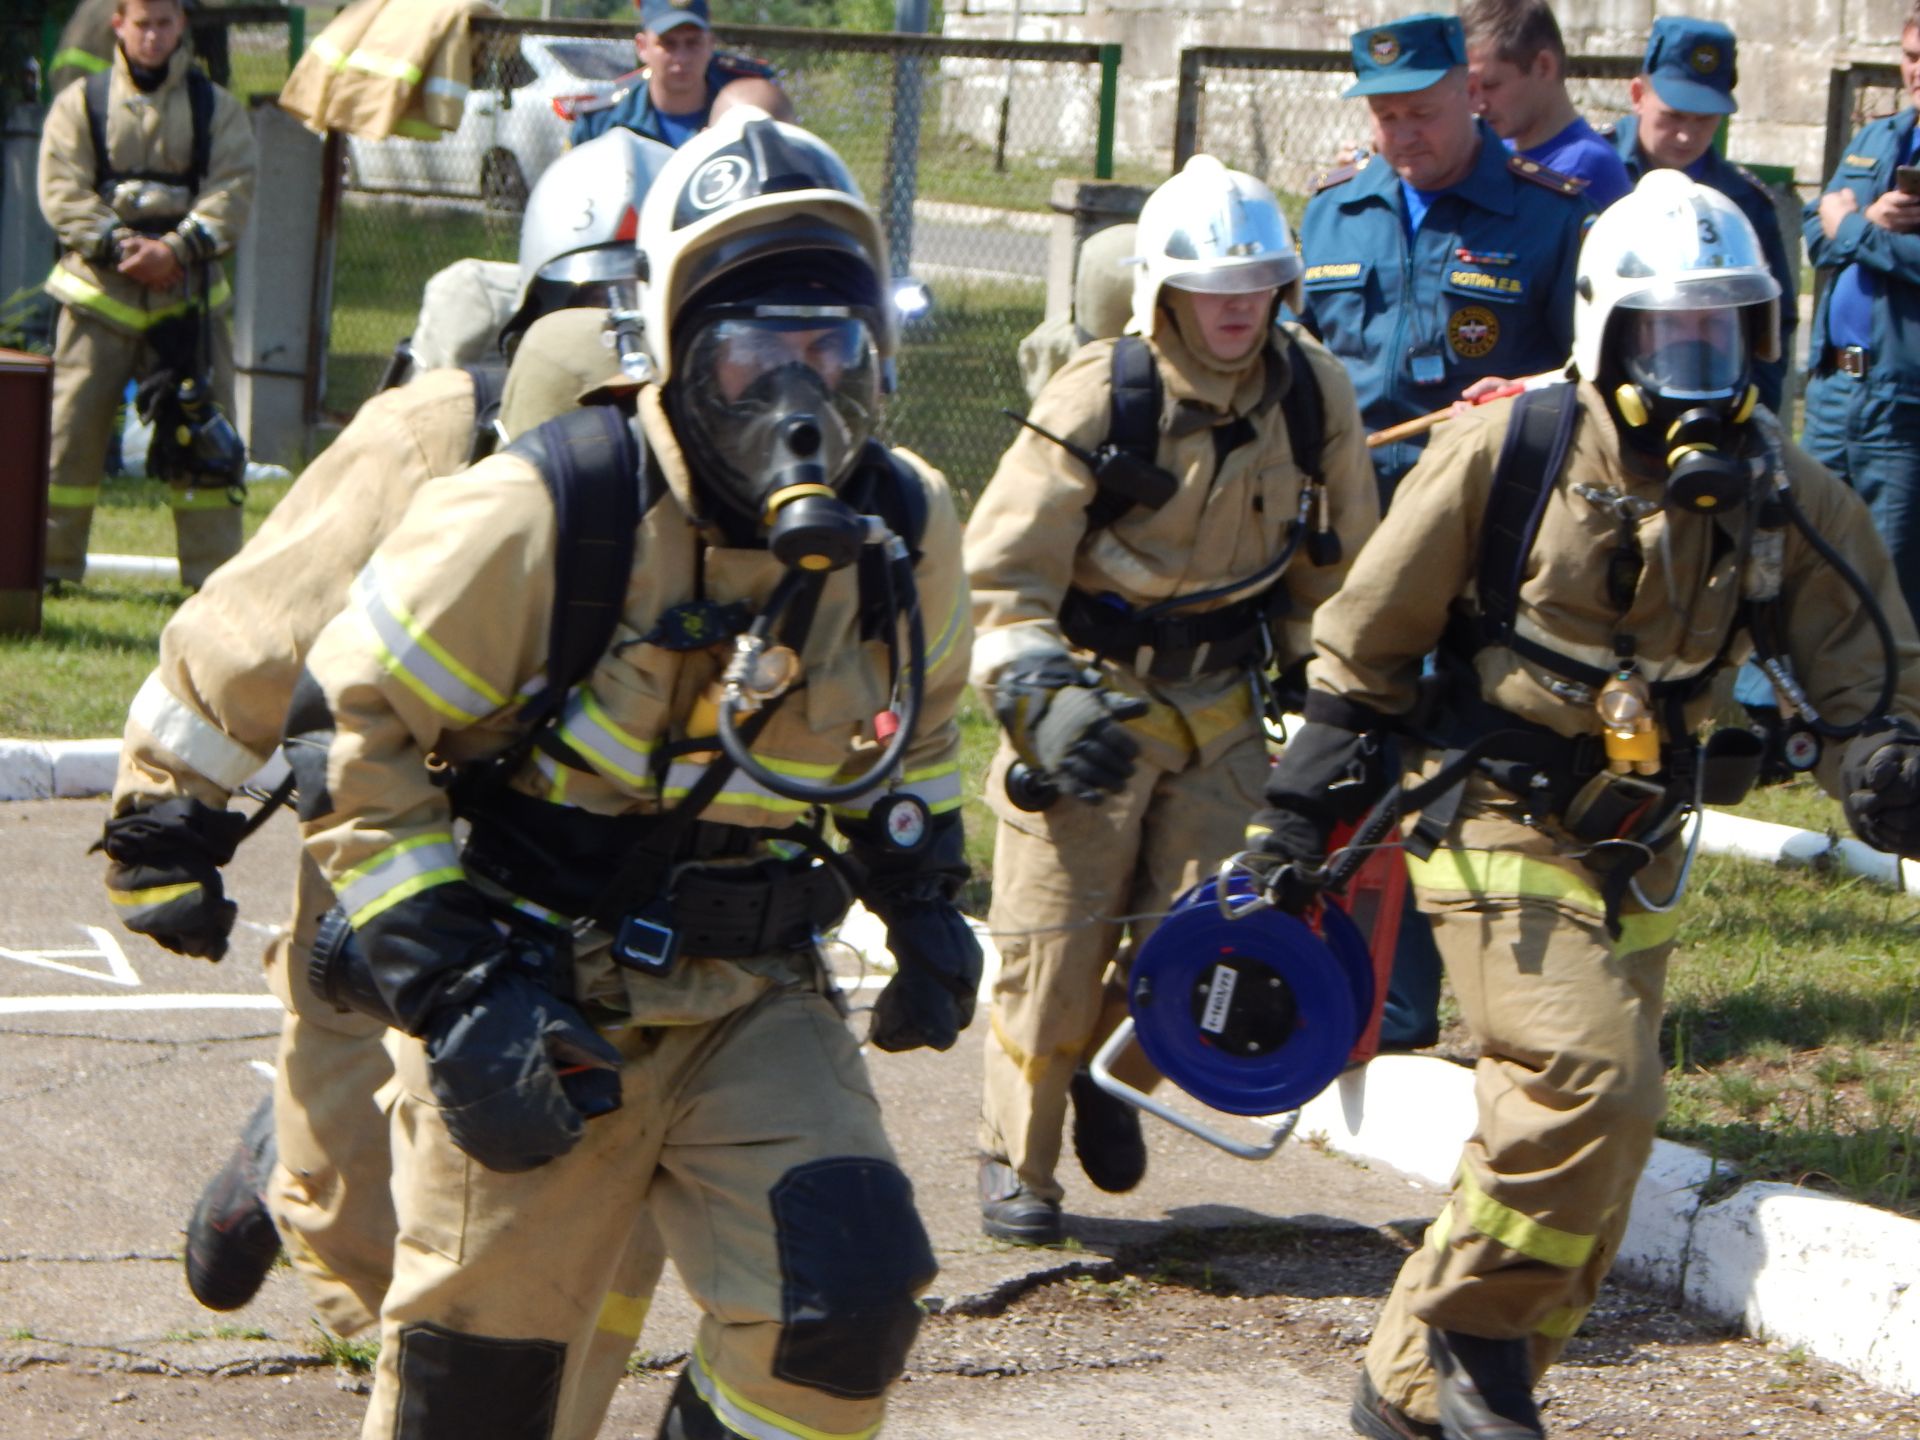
92	364
1568	1092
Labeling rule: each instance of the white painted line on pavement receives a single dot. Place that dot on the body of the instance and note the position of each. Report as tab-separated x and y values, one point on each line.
261	1067
119	970
100	1004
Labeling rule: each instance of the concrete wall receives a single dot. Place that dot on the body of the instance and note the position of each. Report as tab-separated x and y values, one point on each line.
1786	50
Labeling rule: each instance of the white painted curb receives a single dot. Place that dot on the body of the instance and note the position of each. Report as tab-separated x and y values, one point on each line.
1786	1264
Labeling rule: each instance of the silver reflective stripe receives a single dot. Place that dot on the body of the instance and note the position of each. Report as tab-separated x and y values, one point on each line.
742	789
938	788
590	731
419	661
440	85
191	736
756	1422
397	872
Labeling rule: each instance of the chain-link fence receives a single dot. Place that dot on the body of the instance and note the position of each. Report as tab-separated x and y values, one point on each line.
1278	113
956	143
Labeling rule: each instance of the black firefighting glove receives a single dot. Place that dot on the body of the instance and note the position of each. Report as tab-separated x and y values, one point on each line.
1331	771
1064	724
517	1070
930	999
164	879
1881	775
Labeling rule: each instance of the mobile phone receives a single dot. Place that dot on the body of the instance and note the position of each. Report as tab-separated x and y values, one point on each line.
1906	179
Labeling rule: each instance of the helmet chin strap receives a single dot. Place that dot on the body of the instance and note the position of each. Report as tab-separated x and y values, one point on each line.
1699	444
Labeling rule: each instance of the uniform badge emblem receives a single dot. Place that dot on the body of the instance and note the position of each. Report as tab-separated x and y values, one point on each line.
1473	331
1705	59
1384	48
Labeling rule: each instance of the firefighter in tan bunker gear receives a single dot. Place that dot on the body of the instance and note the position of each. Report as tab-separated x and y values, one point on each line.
1577	656
653	1039
1122	645
317	1154
146	194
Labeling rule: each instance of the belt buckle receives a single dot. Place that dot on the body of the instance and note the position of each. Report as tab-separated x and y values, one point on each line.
647	940
1851	360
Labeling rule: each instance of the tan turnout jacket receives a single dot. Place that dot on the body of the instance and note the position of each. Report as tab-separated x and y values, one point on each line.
388	67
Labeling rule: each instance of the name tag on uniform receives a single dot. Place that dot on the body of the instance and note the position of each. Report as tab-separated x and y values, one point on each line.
1428	369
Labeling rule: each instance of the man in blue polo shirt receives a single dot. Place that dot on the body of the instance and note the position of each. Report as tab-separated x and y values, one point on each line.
1440	261
1863	402
1517	72
1683	91
681	74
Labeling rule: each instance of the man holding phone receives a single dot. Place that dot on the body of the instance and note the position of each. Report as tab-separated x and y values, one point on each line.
1863	402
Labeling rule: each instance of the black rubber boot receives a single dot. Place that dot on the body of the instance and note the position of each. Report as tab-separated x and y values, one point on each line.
1106	1137
1377	1419
689	1417
1486	1387
1009	1211
231	1241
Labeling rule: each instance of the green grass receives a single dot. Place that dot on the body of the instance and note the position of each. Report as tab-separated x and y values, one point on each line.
356	1356
98	642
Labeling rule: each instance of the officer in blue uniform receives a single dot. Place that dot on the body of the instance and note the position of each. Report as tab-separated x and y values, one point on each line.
1684	88
680	76
1863	402
1442	259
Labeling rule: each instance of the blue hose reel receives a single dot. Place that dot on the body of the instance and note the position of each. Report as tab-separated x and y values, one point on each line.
1243	1007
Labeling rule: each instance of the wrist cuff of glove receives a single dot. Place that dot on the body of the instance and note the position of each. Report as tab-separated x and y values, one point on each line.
1324	708
160	833
430	951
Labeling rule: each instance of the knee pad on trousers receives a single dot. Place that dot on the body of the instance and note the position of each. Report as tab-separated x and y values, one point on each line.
853	1255
455	1386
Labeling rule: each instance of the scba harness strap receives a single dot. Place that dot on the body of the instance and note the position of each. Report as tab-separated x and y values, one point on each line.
200	99
1172	647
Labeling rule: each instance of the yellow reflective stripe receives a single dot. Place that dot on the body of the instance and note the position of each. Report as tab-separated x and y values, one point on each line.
396	873
1441	1230
74	497
555	774
1518	1232
1483	873
192	499
188	734
388	67
1560	1324
156	895
937	786
623	1314
942	648
740	789
77	59
416	129
69	289
586	726
755	1421
329	52
416	659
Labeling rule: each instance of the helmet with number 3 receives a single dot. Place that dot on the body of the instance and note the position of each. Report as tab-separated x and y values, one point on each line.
577	235
1654	271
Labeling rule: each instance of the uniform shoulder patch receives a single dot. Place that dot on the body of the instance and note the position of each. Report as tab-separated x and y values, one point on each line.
1546	179
1339	175
743	65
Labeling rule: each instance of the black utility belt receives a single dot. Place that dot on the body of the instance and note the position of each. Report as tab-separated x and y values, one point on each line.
1173	647
732	913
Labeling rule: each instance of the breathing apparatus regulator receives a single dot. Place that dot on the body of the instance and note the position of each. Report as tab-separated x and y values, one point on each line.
771	330
194	443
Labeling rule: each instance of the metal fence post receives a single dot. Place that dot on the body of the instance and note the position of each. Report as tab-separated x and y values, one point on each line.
1186	112
296	34
1839	118
1109	109
910	17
